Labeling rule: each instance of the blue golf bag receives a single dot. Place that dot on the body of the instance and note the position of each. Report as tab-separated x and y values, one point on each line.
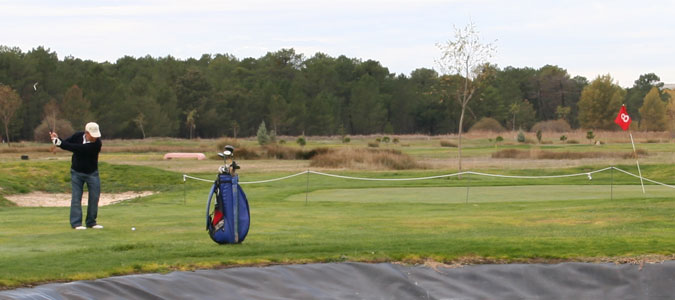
229	220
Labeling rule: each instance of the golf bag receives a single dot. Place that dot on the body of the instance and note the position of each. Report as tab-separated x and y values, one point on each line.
229	220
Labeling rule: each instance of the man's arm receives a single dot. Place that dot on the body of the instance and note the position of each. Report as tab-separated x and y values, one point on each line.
79	147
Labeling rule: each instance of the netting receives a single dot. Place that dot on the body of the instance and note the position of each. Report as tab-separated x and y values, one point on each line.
606	183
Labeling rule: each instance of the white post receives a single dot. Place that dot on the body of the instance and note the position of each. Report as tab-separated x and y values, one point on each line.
637	162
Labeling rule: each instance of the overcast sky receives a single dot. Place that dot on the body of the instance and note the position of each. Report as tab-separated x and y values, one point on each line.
588	38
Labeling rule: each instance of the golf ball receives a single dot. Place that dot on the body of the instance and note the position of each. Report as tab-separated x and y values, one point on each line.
133	228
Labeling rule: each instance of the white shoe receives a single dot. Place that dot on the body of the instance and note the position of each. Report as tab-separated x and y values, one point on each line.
80	228
97	226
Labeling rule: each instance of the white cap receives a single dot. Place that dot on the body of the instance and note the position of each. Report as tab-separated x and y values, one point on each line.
92	128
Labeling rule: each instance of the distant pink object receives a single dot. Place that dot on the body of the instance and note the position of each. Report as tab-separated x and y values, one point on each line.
198	156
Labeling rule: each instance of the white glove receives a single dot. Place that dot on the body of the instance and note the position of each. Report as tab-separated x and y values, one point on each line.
222	170
56	141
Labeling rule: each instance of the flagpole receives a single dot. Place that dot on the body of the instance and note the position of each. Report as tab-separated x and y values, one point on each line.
637	162
623	120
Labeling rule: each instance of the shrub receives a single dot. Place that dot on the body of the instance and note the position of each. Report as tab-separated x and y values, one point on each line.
316	151
63	128
262	135
243	153
552	126
373	144
487	124
301	141
395	141
590	136
499	139
346	140
521	136
378	140
445	143
385	139
563	138
281	152
273	137
572	142
539	136
222	142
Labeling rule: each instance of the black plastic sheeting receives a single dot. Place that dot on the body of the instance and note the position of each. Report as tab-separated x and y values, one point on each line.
379	281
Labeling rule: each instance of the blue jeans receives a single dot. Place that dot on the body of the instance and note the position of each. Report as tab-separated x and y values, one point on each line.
77	181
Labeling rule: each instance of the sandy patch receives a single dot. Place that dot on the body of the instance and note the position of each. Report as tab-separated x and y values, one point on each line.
46	199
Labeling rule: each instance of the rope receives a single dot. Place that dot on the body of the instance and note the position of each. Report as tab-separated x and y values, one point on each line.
438	176
647	179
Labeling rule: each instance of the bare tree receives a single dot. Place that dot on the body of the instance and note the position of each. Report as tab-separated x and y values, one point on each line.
465	56
51	112
9	103
139	121
191	121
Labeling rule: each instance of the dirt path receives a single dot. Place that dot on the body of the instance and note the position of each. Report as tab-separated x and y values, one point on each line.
58	200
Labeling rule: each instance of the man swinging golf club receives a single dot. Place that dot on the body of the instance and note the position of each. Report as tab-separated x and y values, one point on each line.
84	169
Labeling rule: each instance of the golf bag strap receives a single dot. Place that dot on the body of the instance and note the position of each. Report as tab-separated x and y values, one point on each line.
208	205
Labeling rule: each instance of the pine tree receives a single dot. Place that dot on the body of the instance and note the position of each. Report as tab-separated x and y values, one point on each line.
599	102
653	112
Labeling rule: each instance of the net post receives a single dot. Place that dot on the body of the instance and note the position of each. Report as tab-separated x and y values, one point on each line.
307	188
611	183
468	179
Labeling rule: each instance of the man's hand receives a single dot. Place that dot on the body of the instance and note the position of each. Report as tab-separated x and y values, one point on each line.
55	138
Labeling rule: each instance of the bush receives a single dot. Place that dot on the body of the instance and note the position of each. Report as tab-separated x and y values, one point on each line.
63	128
385	139
539	136
590	136
552	126
448	144
243	153
395	141
316	151
346	140
281	152
262	135
487	124
563	138
301	141
373	144
521	136
222	142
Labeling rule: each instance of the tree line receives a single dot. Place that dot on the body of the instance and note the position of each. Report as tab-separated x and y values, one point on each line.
222	95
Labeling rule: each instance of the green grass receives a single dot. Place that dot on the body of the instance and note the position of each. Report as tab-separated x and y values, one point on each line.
483	194
357	221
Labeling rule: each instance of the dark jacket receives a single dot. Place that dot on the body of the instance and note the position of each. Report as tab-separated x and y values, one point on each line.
85	156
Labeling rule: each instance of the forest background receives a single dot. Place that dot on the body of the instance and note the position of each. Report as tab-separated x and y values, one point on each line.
222	95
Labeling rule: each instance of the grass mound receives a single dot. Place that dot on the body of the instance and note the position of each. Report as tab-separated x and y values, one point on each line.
362	158
54	177
544	154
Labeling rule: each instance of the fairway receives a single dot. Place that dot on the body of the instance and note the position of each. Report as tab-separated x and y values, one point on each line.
483	194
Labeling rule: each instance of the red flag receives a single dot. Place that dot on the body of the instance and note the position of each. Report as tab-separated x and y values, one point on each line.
623	119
